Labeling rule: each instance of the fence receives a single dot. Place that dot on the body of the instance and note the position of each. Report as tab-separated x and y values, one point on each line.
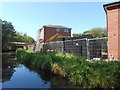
94	48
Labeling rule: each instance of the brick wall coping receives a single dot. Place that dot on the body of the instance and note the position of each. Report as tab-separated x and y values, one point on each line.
113	3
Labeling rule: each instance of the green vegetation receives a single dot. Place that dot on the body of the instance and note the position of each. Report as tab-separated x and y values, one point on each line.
20	37
95	32
78	70
10	35
77	34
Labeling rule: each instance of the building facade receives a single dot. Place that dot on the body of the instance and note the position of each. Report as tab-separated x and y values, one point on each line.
113	26
48	31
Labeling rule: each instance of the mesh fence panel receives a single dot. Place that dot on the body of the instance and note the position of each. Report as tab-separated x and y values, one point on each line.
95	48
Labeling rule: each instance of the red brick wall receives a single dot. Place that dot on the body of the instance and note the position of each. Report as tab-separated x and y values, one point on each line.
46	32
41	35
49	32
113	22
119	33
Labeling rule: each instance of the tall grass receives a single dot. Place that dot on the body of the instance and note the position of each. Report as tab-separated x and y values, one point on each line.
78	70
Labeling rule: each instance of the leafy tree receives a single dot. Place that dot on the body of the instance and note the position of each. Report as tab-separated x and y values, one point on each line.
77	34
8	35
95	32
20	37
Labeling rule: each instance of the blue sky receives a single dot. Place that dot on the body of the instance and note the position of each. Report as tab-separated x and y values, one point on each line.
29	17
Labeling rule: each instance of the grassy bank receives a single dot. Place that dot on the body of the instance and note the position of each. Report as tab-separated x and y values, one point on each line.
78	70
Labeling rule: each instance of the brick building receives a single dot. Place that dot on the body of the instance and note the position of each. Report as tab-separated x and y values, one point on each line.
113	26
48	31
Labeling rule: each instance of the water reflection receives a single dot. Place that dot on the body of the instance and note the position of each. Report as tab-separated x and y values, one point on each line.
8	63
24	78
56	80
16	75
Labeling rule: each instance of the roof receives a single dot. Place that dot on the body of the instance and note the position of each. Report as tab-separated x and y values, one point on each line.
56	26
118	2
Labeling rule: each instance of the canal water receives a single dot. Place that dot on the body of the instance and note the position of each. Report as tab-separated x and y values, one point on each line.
24	78
16	75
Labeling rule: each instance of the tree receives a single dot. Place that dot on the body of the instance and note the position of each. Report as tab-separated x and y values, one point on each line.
20	37
8	35
95	32
77	34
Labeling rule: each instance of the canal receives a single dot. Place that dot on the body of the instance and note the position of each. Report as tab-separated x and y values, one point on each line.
17	75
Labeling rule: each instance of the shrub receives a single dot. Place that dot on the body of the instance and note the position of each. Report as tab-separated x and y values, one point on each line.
78	70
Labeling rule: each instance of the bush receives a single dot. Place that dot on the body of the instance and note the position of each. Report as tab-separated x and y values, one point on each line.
78	70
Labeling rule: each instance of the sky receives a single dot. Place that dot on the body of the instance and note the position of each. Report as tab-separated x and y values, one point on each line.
29	17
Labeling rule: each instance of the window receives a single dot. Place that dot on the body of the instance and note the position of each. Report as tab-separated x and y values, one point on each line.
57	30
65	30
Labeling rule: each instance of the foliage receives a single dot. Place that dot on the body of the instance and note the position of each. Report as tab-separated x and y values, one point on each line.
95	32
20	37
8	35
79	71
38	60
77	34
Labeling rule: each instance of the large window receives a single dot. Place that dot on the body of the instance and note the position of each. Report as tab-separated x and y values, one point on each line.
57	30
66	30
